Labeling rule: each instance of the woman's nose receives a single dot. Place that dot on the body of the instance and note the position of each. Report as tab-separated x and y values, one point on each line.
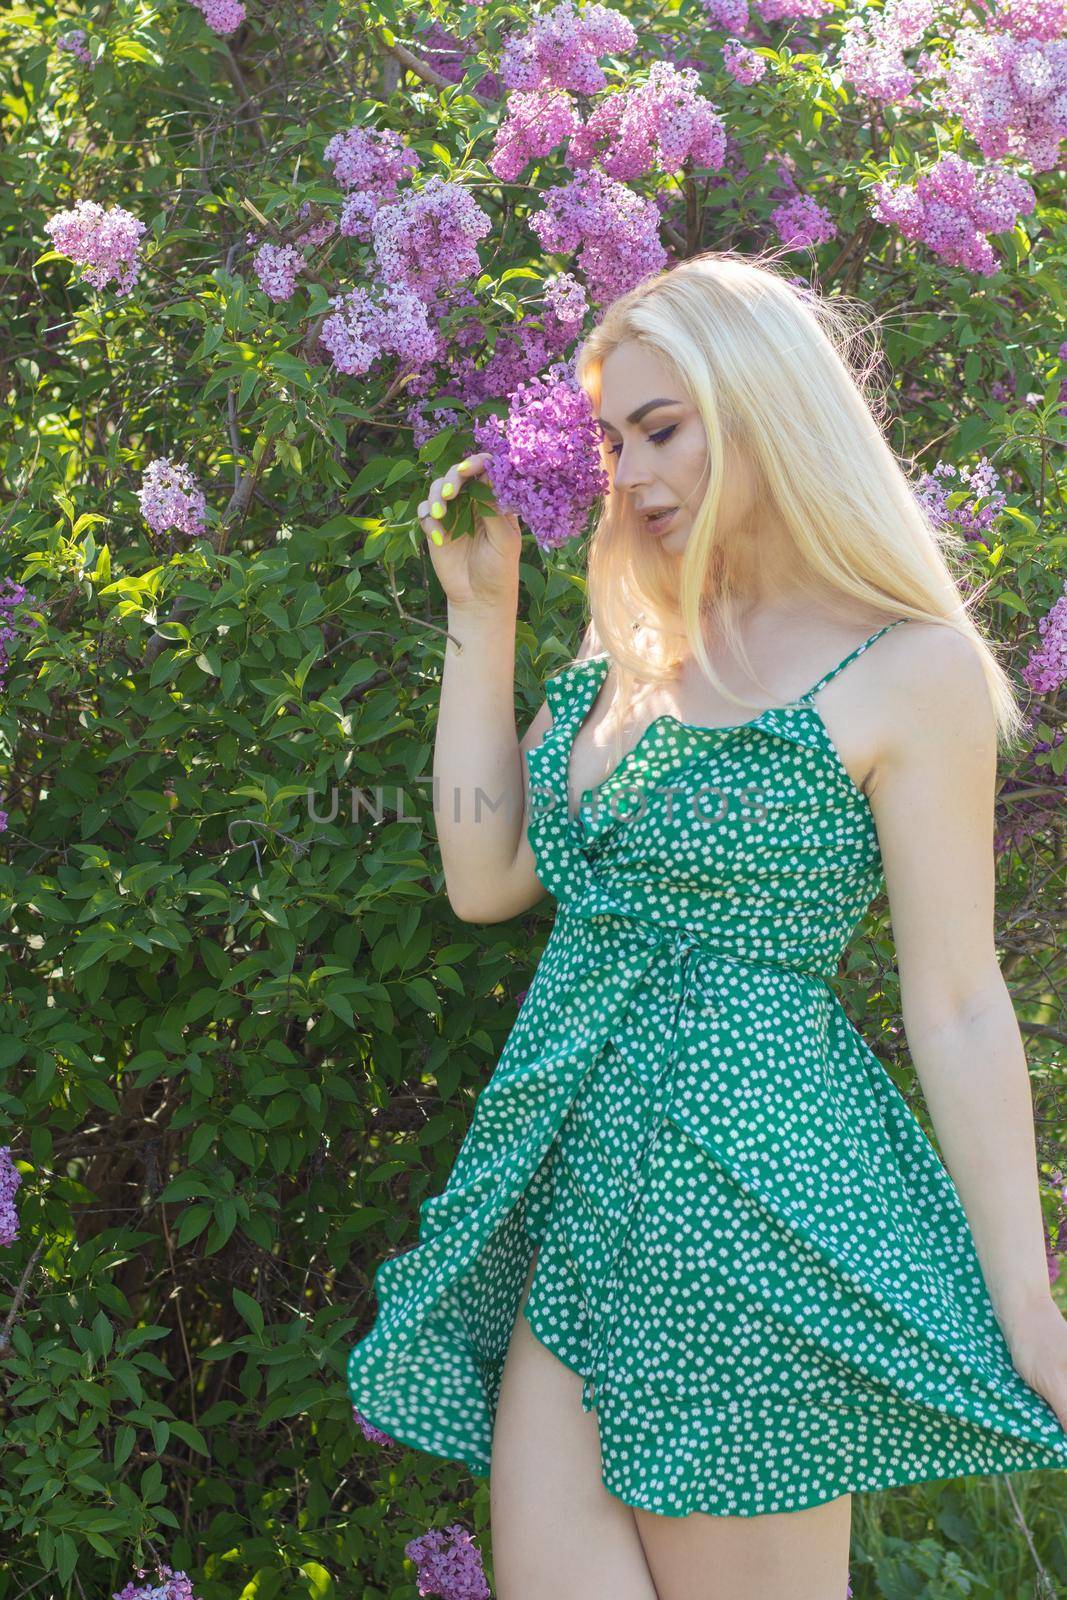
629	473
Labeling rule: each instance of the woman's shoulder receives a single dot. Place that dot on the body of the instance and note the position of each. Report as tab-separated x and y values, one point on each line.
933	680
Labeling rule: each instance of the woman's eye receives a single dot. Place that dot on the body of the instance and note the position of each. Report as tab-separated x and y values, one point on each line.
657	438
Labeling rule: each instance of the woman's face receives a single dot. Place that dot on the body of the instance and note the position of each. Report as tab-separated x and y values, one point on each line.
660	454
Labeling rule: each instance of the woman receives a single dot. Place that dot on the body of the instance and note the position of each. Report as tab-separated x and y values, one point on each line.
698	1275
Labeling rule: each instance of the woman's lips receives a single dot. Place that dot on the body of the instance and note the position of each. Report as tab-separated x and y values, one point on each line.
659	524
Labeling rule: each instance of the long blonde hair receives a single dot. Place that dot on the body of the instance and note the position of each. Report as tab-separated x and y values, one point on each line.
784	374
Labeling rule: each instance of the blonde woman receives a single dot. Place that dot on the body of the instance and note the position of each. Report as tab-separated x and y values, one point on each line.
698	1276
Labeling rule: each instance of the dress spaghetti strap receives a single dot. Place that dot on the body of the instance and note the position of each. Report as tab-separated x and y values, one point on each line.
825	679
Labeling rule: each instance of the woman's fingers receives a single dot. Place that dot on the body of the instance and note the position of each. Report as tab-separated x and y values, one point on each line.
431	511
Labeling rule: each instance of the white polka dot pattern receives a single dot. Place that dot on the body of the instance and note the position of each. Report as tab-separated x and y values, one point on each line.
745	1243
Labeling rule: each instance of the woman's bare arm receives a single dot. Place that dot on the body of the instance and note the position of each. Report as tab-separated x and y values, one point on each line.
933	805
511	887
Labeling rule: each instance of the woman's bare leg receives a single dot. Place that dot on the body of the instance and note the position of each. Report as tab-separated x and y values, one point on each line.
558	1534
802	1554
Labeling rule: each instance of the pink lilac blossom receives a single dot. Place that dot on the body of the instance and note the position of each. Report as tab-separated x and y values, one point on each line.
369	1431
276	267
362	328
743	64
1046	669
171	1586
449	1564
3	821
221	16
1027	19
727	16
17	595
429	238
973	520
105	243
566	300
1010	95
562	46
537	121
871	57
370	158
369	163
952	207
76	42
614	231
800	221
170	497
787	10
545	463
662	123
10	1179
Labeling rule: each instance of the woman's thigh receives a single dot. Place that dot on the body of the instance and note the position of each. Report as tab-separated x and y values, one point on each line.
558	1534
802	1554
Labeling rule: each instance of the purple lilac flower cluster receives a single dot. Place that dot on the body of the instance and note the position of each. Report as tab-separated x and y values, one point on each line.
105	243
743	64
1027	19
170	497
801	221
221	16
953	207
871	57
76	41
449	1564
1046	669
276	267
973	521
10	1178
171	1586
15	595
537	121
614	231
1010	94
731	16
366	324
562	46
429	238
660	123
369	164
369	1431
544	458
789	10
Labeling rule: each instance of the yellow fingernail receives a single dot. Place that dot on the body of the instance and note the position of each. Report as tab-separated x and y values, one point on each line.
448	490
437	509
437	536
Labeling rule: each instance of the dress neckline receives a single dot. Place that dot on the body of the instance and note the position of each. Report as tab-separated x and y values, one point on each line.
803	703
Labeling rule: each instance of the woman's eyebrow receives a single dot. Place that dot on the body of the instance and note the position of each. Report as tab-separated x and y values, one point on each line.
635	416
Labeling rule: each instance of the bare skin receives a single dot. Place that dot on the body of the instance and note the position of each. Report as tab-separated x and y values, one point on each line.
557	1532
560	1534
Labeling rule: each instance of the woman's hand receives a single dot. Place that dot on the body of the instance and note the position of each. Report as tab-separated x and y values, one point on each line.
479	570
1038	1344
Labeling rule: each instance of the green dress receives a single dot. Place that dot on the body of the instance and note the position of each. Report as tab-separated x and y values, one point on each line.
749	1249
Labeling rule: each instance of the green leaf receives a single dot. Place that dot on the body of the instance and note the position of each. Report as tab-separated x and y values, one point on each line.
250	1310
